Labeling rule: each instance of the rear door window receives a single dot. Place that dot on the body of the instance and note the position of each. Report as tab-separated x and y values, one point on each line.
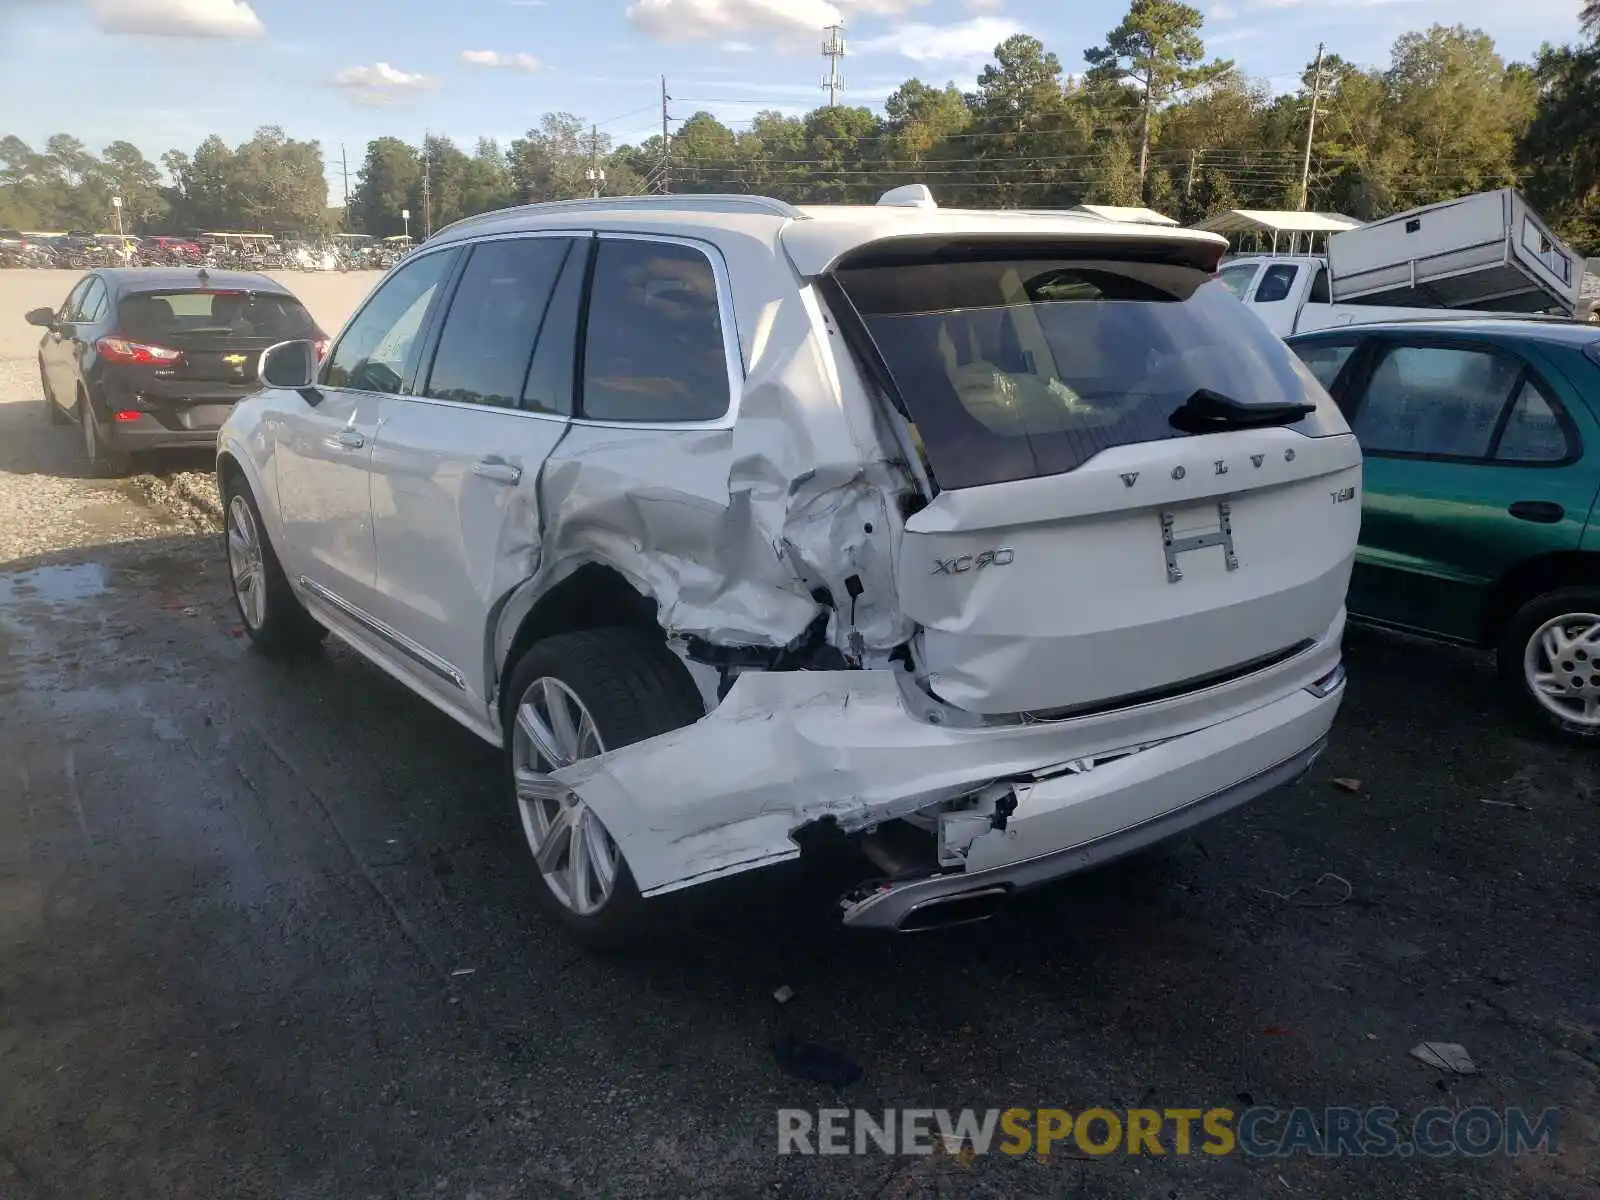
1537	431
1435	401
653	348
494	321
550	377
1018	367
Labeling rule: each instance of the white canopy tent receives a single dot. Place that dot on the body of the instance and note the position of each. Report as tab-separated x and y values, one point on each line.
1290	223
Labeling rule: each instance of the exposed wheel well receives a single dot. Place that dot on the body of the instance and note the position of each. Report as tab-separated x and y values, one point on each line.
1530	578
593	596
228	468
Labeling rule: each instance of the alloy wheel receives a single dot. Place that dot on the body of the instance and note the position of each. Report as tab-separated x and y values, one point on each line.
245	563
574	852
1561	666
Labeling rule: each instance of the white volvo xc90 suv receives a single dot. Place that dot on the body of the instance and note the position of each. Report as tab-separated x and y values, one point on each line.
998	544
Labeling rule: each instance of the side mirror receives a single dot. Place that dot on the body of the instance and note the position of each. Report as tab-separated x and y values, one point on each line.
289	365
45	318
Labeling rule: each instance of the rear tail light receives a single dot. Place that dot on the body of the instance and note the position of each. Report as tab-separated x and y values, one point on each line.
120	350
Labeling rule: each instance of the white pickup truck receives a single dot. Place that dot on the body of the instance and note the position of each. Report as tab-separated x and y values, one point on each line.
1291	294
1485	253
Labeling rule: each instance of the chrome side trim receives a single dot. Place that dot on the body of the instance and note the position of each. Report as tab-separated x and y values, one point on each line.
496	410
418	654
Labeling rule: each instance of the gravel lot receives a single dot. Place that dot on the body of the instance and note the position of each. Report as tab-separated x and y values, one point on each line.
265	931
46	500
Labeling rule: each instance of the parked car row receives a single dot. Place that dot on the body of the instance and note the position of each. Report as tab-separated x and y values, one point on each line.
247	252
991	545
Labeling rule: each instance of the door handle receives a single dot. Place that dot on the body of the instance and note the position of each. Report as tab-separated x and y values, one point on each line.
348	439
1541	512
497	470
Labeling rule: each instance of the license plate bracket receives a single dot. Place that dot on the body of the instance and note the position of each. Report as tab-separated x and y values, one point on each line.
1174	544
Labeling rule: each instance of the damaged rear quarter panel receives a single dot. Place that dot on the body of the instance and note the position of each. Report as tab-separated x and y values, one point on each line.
729	527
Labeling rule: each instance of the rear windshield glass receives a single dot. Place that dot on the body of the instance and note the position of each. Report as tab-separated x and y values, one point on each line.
216	313
1022	367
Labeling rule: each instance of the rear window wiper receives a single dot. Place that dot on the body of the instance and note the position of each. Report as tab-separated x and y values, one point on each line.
1207	411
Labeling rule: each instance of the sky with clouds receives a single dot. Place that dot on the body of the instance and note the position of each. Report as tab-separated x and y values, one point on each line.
165	73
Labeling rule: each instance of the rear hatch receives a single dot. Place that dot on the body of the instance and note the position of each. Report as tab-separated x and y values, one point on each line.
219	332
1138	490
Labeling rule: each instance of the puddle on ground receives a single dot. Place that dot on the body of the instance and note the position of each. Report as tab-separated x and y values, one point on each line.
63	584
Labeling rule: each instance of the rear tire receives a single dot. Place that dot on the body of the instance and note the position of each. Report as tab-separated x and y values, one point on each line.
1549	659
617	686
52	410
274	619
103	461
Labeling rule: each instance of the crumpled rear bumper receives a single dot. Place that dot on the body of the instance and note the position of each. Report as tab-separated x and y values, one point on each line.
1087	822
787	749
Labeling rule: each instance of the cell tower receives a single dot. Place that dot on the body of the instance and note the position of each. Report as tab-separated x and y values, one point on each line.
833	51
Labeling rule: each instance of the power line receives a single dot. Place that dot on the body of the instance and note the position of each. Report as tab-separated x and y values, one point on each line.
630	113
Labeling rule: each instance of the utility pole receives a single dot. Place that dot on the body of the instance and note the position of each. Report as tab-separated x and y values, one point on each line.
427	210
1311	128
665	181
1188	187
594	174
833	51
344	166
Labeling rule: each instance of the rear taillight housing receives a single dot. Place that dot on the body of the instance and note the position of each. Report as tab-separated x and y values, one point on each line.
120	350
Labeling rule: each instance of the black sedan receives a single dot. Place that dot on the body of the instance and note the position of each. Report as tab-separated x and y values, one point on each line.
154	359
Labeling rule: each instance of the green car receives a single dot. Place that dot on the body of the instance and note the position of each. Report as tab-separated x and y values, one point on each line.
1478	526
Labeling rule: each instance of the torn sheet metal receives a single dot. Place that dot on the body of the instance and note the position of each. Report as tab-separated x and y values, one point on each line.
786	749
731	530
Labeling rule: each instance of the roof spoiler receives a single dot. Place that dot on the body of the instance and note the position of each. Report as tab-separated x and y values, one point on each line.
911	195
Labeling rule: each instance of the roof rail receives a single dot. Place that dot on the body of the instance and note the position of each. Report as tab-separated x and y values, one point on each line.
692	201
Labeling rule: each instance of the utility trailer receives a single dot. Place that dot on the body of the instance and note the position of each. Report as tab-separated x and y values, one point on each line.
1485	251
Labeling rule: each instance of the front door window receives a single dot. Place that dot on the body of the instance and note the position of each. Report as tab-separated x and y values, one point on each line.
378	348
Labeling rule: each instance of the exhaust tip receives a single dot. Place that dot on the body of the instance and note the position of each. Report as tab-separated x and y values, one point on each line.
963	908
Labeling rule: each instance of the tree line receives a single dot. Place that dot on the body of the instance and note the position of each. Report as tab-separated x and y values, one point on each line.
1152	119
